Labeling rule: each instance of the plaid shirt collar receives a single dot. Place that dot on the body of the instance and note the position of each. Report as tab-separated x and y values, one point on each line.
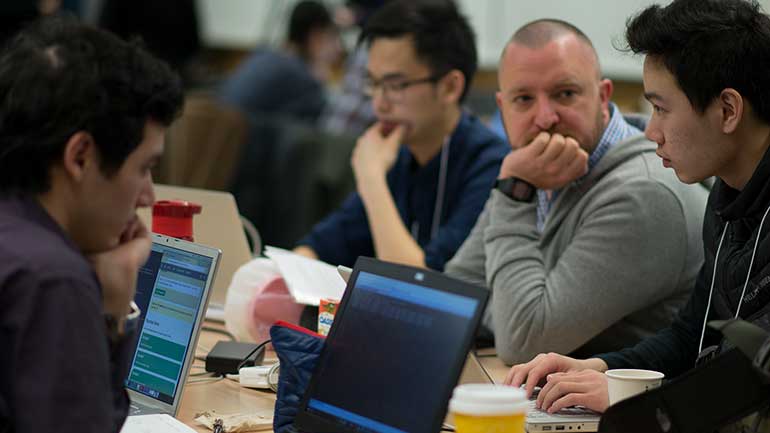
617	130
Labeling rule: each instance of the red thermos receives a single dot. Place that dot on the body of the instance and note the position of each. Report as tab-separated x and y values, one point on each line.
174	218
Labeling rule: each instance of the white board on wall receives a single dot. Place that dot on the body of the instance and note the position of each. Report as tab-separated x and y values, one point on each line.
243	24
603	21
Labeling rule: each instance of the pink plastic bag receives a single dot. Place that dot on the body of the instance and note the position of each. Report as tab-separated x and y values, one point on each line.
256	299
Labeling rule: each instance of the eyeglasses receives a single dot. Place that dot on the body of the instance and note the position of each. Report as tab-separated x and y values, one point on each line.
393	89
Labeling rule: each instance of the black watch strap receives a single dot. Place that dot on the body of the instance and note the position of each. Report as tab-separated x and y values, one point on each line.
516	189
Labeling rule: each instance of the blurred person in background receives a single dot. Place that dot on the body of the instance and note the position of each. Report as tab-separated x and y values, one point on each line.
288	81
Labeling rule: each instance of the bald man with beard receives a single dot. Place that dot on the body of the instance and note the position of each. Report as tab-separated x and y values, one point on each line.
587	243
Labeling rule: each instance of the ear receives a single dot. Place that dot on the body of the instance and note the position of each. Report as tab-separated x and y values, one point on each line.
451	86
499	100
605	94
80	155
731	106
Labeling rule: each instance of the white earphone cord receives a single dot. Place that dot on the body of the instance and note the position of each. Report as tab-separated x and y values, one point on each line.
441	189
745	285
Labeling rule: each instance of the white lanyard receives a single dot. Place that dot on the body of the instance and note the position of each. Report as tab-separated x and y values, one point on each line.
714	274
442	175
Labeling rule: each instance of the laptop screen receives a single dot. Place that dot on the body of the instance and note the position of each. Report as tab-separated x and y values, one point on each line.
392	355
170	291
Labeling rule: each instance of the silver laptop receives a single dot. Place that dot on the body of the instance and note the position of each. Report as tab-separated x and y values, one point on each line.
572	419
218	225
172	290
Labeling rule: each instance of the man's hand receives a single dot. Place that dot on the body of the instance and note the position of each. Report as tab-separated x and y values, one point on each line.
585	388
375	154
537	370
117	268
549	162
306	251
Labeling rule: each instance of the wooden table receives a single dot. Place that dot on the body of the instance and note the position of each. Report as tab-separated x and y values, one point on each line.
492	364
224	396
228	397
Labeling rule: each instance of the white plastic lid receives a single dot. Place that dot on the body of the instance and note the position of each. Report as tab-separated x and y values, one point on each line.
634	374
488	399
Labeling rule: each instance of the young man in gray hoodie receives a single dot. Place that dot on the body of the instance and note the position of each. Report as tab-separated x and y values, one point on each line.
587	243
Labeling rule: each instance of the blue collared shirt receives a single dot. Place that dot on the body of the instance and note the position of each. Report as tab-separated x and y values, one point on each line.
617	130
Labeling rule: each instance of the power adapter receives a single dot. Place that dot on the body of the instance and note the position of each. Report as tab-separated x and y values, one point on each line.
228	356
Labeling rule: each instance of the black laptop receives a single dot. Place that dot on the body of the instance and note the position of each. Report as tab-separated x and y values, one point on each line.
394	353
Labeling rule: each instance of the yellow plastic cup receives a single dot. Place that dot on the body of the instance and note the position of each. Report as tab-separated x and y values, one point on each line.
488	408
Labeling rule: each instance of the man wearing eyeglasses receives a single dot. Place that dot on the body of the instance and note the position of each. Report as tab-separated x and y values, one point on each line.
425	168
587	243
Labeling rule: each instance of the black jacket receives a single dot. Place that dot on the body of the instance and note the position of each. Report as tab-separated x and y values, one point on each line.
675	349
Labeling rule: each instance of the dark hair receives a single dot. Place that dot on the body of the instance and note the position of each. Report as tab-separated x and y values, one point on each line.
306	17
443	39
709	45
58	77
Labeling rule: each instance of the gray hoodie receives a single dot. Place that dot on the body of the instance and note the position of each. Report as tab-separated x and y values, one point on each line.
617	257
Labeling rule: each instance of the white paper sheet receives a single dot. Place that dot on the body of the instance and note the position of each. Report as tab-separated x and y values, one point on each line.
156	423
308	280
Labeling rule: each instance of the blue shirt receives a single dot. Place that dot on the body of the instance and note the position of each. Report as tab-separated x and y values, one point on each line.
474	158
274	83
617	130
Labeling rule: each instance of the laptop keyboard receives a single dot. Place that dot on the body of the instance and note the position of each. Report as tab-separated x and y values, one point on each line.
574	411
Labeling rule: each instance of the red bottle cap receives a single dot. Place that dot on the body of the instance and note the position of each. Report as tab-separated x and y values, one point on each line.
174	218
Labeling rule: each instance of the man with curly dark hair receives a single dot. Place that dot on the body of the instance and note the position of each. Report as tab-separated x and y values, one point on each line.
82	122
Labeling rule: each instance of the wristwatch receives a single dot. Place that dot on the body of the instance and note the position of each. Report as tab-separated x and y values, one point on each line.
516	189
130	323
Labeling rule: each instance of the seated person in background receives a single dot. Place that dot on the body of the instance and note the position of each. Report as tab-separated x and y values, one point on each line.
82	122
288	82
424	170
349	111
587	243
496	124
704	74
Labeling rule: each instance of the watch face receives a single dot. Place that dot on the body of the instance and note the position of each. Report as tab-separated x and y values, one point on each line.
516	189
521	191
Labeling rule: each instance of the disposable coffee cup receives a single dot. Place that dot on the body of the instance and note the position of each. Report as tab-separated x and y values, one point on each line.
483	408
626	383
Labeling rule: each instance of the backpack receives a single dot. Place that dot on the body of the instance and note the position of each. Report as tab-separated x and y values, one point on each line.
728	394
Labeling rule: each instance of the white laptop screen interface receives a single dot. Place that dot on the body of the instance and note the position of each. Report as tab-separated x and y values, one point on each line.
170	291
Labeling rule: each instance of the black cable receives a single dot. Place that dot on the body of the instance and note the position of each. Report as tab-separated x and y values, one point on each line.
219	331
206	379
203	373
246	358
484	355
481	366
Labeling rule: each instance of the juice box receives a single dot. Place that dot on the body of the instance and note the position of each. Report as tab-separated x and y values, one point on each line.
326	310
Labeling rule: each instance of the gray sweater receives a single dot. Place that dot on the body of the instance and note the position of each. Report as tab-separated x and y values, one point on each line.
617	257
